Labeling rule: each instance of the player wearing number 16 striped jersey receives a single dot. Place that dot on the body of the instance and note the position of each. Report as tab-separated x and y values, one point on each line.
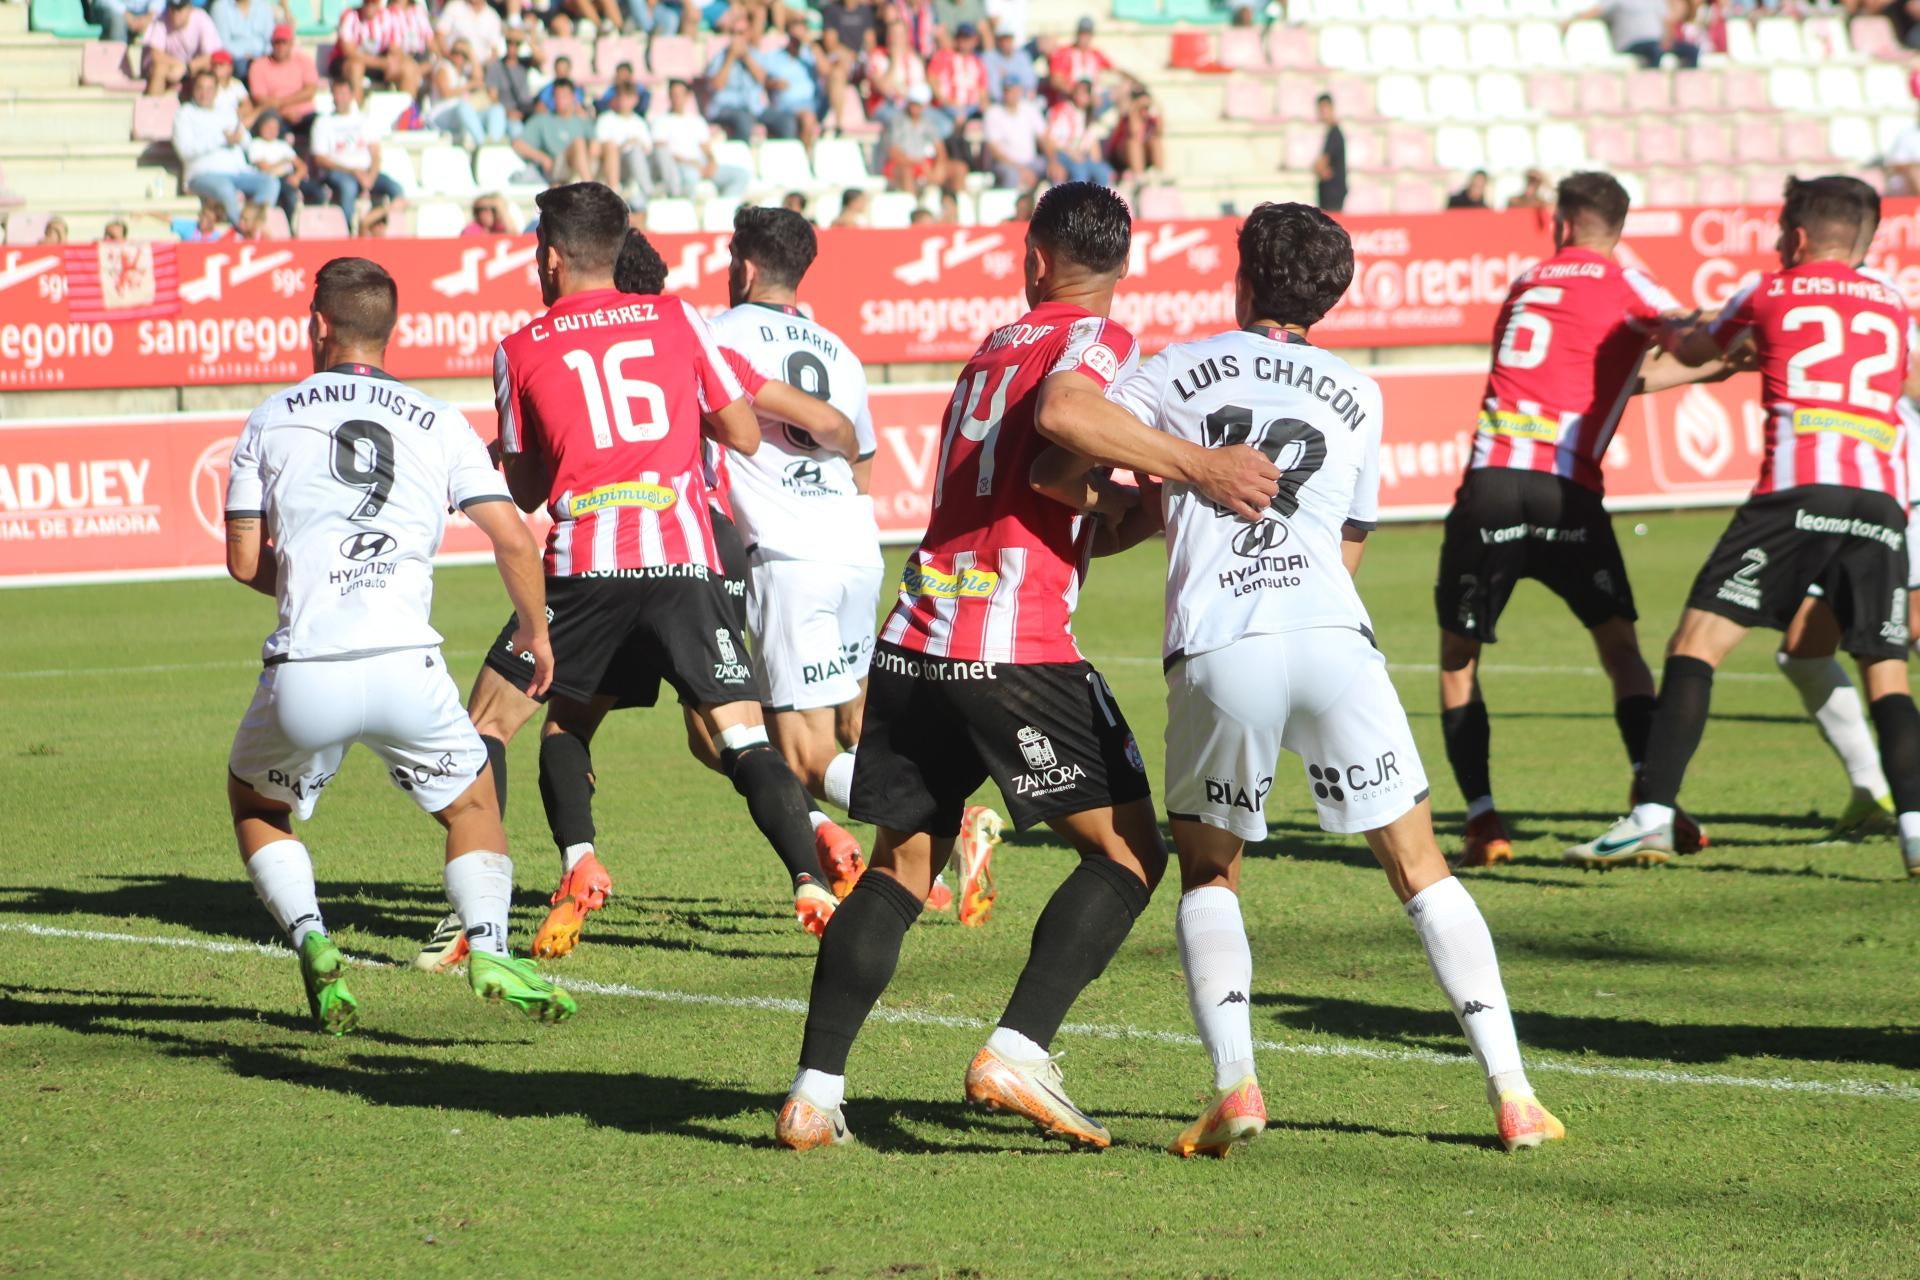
1829	509
1567	351
1268	647
977	675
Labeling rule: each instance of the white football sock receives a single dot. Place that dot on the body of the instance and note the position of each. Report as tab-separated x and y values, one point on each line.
1009	1043
1219	966
480	887
282	875
1648	816
822	1089
1910	826
818	819
1461	952
1829	697
1475	808
838	783
571	855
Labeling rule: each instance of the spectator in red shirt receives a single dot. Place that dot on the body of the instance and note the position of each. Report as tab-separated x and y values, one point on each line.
1133	149
370	42
1077	152
1068	65
285	81
958	76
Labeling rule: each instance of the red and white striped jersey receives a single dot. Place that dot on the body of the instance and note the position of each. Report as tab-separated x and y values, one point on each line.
375	30
996	577
1833	348
1566	352
608	389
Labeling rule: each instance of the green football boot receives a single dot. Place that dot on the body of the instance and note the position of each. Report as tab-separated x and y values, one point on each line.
324	971
521	985
1866	815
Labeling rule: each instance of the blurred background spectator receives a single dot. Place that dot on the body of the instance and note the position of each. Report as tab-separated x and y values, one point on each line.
1015	139
285	81
1077	153
1330	166
685	143
180	41
208	138
489	218
1473	195
246	29
345	157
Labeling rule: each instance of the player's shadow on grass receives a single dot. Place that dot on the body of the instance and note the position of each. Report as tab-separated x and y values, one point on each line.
89	1012
1435	1029
228	906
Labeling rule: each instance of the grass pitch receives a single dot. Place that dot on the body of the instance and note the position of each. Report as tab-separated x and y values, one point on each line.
1731	1041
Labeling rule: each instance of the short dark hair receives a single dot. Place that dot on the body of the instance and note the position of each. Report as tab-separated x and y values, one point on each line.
1297	262
779	242
586	221
639	268
1085	223
561	82
358	298
1824	209
623	66
1598	195
1324	100
682	83
1862	193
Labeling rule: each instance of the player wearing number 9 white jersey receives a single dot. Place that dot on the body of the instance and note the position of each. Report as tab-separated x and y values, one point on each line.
1268	647
336	500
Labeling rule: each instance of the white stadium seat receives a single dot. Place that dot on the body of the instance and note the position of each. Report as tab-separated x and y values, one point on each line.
384	108
1853	138
496	168
1741	46
1450	97
1838	89
1589	45
737	154
1343	48
892	209
1561	146
1778	40
1443	45
1386	10
1437	10
438	220
1490	45
672	215
1500	95
1791	89
1400	97
1459	147
783	164
1390	47
717	214
446	171
1510	146
996	205
397	163
840	163
1885	87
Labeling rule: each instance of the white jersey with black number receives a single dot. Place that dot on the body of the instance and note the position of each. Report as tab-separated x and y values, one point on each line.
792	499
353	474
1318	418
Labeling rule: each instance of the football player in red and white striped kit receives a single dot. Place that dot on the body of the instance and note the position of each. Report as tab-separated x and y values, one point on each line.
977	675
1830	508
1567	350
601	401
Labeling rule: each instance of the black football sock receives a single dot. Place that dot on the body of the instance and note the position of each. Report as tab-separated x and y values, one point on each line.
1686	694
856	962
1634	715
497	761
1083	925
778	804
1469	742
1898	723
566	789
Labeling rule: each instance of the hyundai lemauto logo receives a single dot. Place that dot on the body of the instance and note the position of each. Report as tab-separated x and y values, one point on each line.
370	544
1260	539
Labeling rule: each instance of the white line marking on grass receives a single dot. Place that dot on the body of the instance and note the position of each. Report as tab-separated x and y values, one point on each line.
1178	1039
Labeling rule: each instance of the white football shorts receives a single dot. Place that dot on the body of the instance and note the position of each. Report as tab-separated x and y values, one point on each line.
1321	693
813	624
403	706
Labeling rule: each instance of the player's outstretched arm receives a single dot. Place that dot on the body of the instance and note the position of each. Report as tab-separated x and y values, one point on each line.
518	558
831	429
1072	413
249	561
734	426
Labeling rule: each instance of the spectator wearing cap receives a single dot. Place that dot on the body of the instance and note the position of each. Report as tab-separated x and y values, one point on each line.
624	78
914	150
1007	61
958	77
1015	138
269	151
208	138
559	143
125	21
182	41
1070	64
246	29
285	80
475	22
683	148
345	156
228	91
1645	29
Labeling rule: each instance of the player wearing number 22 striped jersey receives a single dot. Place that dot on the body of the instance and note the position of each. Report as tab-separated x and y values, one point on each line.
601	405
1268	647
1832	348
977	675
1567	352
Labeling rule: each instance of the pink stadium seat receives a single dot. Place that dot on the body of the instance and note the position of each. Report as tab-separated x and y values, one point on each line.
1610	144
1409	149
1874	37
1296	98
1418	195
27	228
1695	91
1825	37
853	114
1746	90
1803	140
1363	196
1763	186
1708	143
1240	48
1666	190
104	64
1302	145
1353	96
1719	186
675	57
1660	143
1364	149
153	118
1757	142
1291	48
1249	99
559	47
1603	93
322	222
1551	93
1161	202
277	228
614	50
1649	91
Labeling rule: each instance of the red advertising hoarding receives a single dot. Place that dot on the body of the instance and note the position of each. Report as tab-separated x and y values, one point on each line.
142	497
137	315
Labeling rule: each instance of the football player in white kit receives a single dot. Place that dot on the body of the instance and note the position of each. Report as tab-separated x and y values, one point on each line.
1268	646
813	549
337	497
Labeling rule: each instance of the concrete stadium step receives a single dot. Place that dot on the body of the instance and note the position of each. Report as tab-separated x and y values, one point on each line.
31	116
39	61
13	19
125	185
